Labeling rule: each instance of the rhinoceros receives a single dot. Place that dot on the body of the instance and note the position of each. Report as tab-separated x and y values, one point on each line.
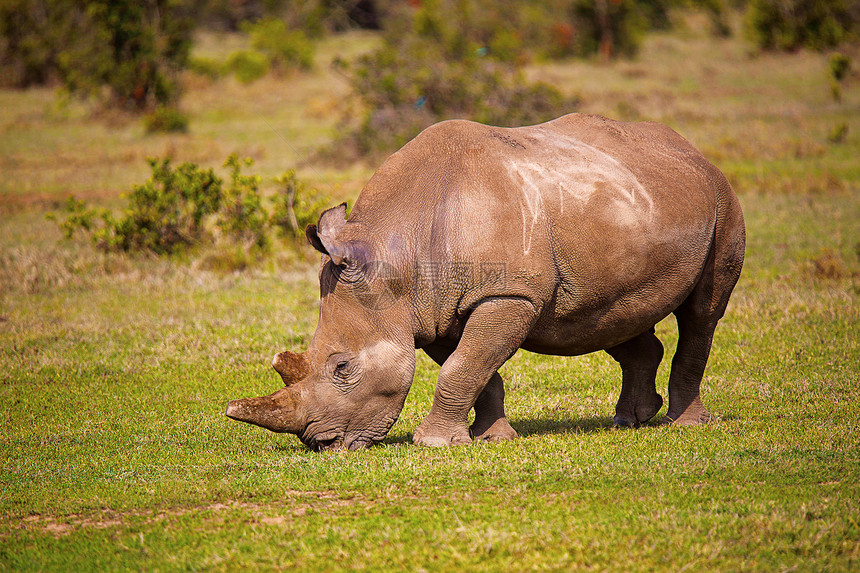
472	241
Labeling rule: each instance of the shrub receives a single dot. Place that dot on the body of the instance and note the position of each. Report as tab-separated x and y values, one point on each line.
188	206
274	47
792	24
315	17
130	51
838	133
608	27
166	119
511	31
242	215
285	49
32	35
839	66
206	67
296	206
79	217
165	214
248	65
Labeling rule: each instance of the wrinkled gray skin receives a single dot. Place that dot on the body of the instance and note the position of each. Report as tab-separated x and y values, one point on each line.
472	241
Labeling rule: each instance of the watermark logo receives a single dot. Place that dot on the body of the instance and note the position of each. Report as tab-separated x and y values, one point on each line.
428	275
382	284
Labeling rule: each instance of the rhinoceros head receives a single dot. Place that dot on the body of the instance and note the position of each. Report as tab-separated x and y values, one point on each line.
348	388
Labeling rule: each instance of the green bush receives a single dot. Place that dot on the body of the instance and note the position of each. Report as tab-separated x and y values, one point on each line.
248	65
206	67
315	17
839	66
166	119
607	27
838	133
189	206
792	24
512	31
296	206
32	35
165	214
242	215
286	49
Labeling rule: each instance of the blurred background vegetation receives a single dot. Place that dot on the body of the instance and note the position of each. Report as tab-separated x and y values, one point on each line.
438	58
412	64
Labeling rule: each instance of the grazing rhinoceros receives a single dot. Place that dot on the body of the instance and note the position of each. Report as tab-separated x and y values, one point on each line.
472	241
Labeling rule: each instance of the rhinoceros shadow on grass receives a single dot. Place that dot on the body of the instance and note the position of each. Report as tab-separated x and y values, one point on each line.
472	241
539	427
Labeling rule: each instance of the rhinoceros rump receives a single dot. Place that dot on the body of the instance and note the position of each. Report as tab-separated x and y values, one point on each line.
473	241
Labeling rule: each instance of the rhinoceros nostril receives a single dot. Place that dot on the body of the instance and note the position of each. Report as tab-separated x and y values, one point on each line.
232	409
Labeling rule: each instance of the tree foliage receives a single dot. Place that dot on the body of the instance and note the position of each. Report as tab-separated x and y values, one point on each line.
130	49
33	34
441	61
133	47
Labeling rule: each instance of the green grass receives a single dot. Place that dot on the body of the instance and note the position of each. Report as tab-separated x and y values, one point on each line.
114	371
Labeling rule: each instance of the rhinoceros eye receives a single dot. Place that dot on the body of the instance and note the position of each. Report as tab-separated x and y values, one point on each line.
343	371
342	368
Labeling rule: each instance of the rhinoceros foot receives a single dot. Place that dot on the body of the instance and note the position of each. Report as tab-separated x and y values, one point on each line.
439	434
694	415
499	431
638	410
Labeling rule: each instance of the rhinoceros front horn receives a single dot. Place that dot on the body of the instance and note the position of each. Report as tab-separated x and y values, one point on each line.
291	366
278	412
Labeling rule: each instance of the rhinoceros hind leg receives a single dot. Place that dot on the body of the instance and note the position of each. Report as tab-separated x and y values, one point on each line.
688	367
699	314
695	335
639	358
493	333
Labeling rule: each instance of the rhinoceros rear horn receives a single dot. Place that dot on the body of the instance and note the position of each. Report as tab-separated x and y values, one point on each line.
291	366
324	235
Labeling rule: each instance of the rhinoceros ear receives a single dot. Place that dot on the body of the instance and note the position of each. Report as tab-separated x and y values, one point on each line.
314	239
323	235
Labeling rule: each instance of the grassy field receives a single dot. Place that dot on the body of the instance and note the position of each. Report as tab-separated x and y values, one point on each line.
114	371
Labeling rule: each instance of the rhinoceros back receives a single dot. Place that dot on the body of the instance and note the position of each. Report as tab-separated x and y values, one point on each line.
599	223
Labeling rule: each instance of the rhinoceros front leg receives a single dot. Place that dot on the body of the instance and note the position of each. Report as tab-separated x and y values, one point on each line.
491	424
639	358
493	333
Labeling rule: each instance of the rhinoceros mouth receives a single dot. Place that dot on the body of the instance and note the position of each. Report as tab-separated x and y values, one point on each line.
325	441
328	441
